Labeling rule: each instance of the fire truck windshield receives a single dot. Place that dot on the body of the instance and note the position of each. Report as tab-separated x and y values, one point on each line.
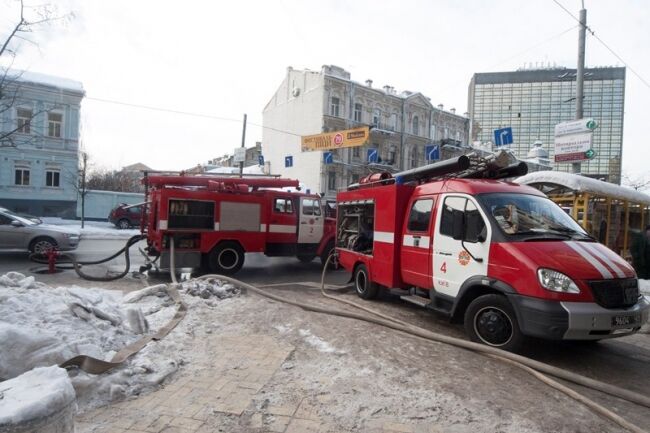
523	214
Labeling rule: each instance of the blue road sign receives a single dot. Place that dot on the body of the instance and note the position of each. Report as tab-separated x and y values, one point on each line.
260	160
288	161
373	155
432	152
328	157
502	136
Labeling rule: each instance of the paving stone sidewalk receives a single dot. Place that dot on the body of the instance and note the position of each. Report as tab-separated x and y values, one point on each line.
219	397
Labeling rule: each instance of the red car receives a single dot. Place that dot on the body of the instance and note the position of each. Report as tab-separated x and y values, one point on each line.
126	216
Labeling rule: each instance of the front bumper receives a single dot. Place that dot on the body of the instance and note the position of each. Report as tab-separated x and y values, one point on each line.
574	320
68	244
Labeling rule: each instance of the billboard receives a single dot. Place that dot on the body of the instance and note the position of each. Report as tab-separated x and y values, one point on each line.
336	139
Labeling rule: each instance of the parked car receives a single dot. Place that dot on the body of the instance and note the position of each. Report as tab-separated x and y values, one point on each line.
126	216
22	234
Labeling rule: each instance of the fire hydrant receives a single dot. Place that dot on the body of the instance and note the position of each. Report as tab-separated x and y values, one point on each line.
52	254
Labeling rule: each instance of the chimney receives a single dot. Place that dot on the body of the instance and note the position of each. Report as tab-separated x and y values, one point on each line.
466	114
440	106
369	82
387	89
453	110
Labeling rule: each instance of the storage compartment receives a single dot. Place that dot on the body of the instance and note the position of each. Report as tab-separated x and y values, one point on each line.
191	214
355	226
237	216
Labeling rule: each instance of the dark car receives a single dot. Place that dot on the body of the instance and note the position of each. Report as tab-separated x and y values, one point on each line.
126	216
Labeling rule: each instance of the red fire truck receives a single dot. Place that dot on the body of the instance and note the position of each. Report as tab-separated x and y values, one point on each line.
215	220
500	257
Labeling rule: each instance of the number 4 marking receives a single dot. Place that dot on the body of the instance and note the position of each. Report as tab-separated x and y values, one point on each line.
443	268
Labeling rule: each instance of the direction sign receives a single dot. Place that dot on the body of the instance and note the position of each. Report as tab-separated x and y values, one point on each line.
288	161
239	155
575	127
574	147
260	160
432	152
503	136
373	155
328	157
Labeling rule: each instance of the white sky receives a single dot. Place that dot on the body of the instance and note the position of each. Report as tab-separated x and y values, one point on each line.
228	58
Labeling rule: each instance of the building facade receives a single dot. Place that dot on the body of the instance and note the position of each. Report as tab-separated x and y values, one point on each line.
532	102
311	102
39	144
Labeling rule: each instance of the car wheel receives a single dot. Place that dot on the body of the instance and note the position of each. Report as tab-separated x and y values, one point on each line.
329	250
365	288
42	245
226	258
306	258
491	320
123	224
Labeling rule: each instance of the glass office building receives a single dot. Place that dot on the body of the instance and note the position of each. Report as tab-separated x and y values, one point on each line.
532	102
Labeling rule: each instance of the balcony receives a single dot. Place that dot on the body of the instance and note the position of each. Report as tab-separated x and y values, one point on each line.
383	128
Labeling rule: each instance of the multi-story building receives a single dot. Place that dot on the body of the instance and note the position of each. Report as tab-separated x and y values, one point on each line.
311	102
39	145
532	102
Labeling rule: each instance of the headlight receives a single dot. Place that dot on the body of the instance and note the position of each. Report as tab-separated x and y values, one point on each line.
556	281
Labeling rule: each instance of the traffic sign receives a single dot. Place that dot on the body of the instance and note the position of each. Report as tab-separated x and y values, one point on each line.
328	157
432	152
260	160
373	155
288	161
239	154
503	136
575	127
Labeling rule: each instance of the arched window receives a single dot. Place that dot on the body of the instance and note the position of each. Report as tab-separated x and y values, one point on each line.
416	125
376	117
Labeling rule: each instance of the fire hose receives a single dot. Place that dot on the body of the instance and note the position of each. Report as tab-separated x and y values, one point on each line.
537	369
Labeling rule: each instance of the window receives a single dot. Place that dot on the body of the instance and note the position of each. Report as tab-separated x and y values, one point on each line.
356	152
354	178
331	181
416	125
310	207
52	178
4	220
283	205
22	177
451	207
475	228
420	216
23	120
334	106
54	122
376	116
393	122
357	112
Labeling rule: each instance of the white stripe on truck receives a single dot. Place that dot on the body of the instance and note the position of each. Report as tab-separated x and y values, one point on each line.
386	237
591	259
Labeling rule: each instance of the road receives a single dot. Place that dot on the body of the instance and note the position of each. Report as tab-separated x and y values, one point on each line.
624	362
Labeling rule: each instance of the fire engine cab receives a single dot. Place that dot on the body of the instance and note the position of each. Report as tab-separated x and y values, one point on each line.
498	256
214	221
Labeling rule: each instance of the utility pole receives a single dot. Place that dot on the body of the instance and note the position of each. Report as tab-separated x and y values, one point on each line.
243	145
580	73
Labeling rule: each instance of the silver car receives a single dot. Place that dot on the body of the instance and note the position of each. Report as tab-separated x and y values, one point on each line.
21	234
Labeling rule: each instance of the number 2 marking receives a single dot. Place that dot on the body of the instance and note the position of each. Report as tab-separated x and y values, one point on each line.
443	268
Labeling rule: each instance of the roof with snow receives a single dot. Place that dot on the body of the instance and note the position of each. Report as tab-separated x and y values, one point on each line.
253	169
46	80
558	180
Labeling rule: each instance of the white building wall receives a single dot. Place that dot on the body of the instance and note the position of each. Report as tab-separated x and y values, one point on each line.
296	108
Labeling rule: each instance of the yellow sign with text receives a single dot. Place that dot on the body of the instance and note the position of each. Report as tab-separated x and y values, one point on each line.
336	139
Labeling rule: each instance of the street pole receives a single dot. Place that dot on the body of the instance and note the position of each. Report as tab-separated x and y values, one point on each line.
580	74
243	144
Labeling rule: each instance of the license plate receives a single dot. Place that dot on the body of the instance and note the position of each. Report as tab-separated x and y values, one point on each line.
628	320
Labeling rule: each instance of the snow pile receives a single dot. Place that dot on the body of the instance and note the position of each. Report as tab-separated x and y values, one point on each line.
39	393
44	326
318	343
644	287
93	229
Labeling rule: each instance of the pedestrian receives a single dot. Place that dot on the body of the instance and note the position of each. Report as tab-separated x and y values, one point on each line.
640	251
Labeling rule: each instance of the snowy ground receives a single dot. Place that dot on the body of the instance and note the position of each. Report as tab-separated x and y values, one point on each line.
644	287
93	229
42	326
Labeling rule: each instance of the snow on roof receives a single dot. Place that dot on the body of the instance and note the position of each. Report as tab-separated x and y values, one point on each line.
46	80
253	169
584	184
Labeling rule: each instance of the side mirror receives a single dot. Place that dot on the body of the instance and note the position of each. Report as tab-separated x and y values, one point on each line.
16	223
458	225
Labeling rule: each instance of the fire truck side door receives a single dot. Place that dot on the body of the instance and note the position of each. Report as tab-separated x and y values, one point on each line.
453	264
416	244
282	221
310	229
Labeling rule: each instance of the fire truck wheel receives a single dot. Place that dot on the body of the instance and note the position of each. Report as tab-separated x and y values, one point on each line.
306	258
226	258
366	289
42	245
329	249
491	320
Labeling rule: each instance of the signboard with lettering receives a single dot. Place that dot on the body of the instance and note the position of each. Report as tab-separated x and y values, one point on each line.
336	140
575	127
239	155
574	147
